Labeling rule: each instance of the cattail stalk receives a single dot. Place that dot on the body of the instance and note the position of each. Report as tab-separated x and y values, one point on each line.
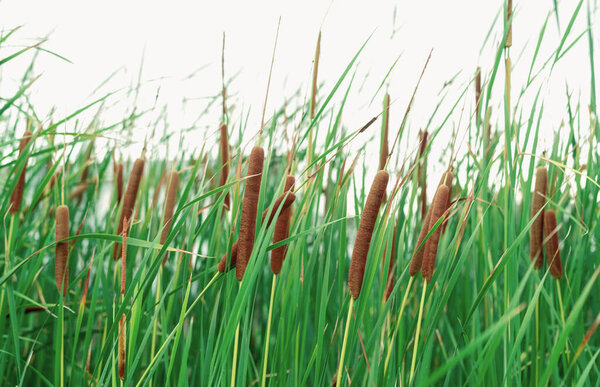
122	344
365	233
313	99
384	150
438	207
552	248
17	194
249	210
61	274
537	228
224	160
282	229
169	208
133	185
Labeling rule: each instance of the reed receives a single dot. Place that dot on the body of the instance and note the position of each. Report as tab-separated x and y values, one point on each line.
249	210
282	228
122	344
224	158
366	227
552	248
61	273
169	208
133	185
438	207
537	228
16	198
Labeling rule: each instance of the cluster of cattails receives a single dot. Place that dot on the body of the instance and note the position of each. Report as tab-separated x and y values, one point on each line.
366	227
16	198
133	185
169	208
544	228
425	252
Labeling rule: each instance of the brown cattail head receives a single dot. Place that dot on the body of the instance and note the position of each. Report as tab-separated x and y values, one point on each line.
283	201
552	249
384	150
223	263
17	194
365	233
169	207
249	210
133	185
438	207
447	179
282	228
389	286
509	8
536	231
119	181
224	161
124	257
122	344
61	274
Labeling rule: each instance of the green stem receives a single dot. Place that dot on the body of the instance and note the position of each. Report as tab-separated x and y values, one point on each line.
264	370
348	321
391	342
416	345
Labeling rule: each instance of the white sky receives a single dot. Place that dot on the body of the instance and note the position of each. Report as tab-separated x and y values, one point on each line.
180	37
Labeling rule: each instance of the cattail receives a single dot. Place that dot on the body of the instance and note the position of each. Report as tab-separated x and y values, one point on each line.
438	207
249	209
122	337
509	7
390	278
61	273
417	259
124	257
283	201
224	160
282	229
119	180
133	185
365	233
552	249
537	228
223	263
447	179
169	207
384	151
17	194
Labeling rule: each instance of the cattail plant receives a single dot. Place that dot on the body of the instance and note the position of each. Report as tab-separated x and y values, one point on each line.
282	228
438	207
133	185
17	194
365	233
537	228
249	210
122	344
552	248
61	272
224	159
169	207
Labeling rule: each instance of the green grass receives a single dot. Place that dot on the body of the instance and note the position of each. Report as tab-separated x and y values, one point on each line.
487	317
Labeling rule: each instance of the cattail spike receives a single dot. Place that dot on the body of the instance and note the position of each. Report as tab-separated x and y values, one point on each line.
61	273
249	210
16	197
122	344
536	231
282	228
169	208
284	201
438	207
133	185
223	263
552	248
366	227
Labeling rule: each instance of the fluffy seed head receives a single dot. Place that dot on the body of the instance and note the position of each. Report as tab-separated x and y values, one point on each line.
223	263
122	343
61	274
552	248
133	185
283	201
169	208
282	228
366	227
438	207
17	195
249	210
536	231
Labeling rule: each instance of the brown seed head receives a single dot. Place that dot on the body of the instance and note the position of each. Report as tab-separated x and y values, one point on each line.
17	195
133	185
552	248
366	227
223	263
61	274
282	229
536	231
169	208
122	344
438	207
